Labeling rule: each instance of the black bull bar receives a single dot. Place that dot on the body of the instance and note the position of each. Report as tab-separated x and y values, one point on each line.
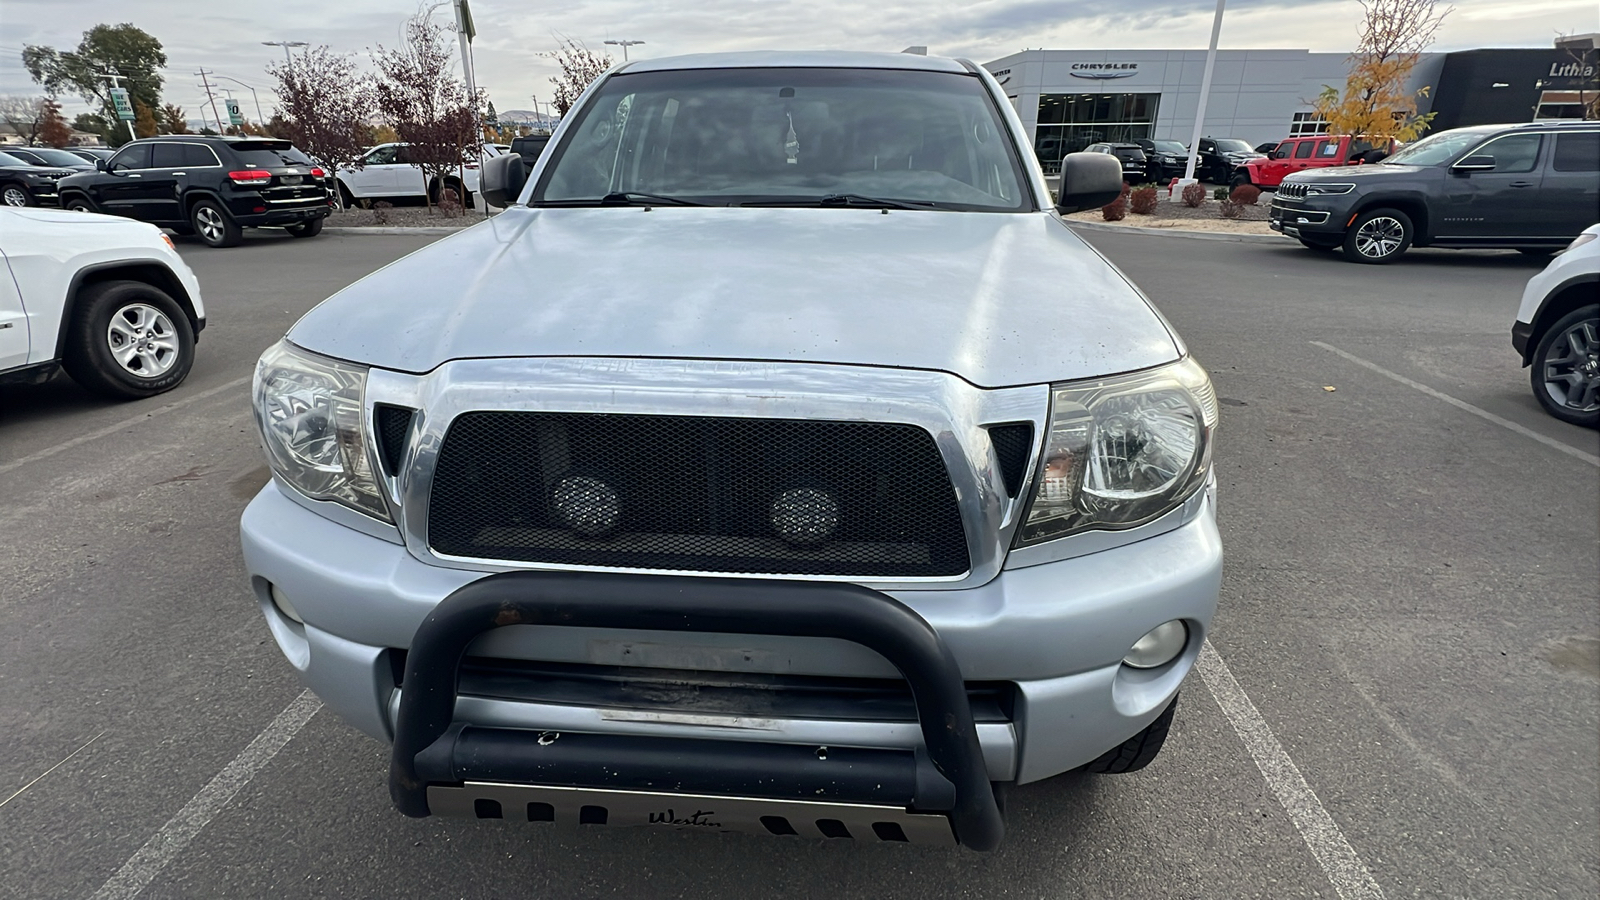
684	603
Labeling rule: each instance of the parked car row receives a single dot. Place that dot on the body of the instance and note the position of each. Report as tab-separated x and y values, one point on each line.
1145	160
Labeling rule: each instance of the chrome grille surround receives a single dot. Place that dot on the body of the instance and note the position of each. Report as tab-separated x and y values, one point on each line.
951	410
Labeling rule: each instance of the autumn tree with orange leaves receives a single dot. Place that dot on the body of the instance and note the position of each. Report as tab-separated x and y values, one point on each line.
1376	104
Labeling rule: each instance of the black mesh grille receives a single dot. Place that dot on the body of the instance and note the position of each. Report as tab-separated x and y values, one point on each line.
754	496
1013	444
394	423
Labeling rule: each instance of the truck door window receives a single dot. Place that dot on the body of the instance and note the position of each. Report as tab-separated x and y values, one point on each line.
1327	149
1304	150
1512	153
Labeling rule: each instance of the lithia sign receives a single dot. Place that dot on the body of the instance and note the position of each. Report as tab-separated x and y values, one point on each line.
1104	71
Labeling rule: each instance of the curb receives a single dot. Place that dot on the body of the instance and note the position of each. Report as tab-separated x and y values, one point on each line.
1232	237
394	229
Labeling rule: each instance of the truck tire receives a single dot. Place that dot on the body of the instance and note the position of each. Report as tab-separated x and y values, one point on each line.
1138	751
1378	236
128	340
1239	179
1565	377
77	203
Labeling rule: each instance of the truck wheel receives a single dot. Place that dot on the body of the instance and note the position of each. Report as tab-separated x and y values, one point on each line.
346	199
1378	236
306	229
213	224
128	340
17	195
78	203
1239	180
1566	368
1136	752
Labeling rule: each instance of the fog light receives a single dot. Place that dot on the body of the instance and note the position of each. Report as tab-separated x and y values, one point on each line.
1159	646
284	606
587	505
805	516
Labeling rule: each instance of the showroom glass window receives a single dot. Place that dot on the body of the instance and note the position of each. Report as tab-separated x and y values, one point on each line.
1070	122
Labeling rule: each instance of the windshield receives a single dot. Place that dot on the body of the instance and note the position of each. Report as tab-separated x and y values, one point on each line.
778	136
1435	149
7	159
56	157
1232	146
1170	147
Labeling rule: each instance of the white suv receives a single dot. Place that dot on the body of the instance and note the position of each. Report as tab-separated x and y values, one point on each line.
386	171
1557	332
104	297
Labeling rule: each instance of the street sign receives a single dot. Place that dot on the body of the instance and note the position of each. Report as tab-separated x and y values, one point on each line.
123	103
464	20
233	112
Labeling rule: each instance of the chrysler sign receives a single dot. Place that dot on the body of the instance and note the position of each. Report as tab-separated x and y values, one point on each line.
1104	71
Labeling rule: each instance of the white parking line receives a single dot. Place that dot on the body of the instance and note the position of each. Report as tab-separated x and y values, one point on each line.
165	845
125	423
1568	449
1339	861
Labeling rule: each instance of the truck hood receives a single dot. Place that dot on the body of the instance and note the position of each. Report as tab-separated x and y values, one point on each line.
1345	173
998	299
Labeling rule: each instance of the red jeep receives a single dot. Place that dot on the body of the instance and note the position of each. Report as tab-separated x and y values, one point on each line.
1314	152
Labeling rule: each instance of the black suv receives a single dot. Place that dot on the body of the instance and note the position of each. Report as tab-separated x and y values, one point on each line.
24	184
211	187
1524	187
1219	157
1135	168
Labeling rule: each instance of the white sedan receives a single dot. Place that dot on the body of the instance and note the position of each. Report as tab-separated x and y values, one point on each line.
104	297
387	172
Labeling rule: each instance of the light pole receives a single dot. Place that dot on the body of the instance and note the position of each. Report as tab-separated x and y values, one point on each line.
285	45
1205	93
259	117
624	45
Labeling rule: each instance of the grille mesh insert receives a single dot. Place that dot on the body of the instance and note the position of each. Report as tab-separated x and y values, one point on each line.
394	423
1013	444
749	496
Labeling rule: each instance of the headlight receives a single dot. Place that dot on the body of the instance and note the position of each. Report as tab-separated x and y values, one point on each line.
1312	189
1122	451
309	410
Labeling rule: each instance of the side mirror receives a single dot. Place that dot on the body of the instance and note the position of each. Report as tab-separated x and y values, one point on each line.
1088	181
503	177
1482	162
1280	154
99	165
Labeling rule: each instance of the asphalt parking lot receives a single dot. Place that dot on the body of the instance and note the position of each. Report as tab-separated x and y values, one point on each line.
1404	698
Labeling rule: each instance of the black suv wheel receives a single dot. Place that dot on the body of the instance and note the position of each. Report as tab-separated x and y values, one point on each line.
1378	236
1566	368
213	224
16	195
311	228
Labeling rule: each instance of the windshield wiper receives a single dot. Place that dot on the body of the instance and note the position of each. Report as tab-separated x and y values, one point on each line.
635	198
846	200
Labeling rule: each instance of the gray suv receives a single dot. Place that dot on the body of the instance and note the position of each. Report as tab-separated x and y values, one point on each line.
1523	187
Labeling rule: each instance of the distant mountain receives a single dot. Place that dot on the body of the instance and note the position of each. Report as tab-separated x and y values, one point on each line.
525	117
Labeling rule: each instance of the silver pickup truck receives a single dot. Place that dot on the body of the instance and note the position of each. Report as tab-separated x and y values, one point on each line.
778	461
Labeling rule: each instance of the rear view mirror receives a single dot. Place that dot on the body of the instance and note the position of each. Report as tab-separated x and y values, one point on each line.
1481	162
1088	181
1280	154
503	177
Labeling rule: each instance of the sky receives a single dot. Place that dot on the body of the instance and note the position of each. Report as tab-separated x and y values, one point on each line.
225	35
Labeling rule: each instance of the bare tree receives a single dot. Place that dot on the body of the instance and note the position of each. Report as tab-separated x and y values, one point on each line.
580	66
1376	105
1584	70
325	104
23	115
429	108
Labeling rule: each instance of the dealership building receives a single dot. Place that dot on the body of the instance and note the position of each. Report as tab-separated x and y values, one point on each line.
1068	99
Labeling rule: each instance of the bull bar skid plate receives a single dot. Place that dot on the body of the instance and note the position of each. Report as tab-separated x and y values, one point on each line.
696	604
